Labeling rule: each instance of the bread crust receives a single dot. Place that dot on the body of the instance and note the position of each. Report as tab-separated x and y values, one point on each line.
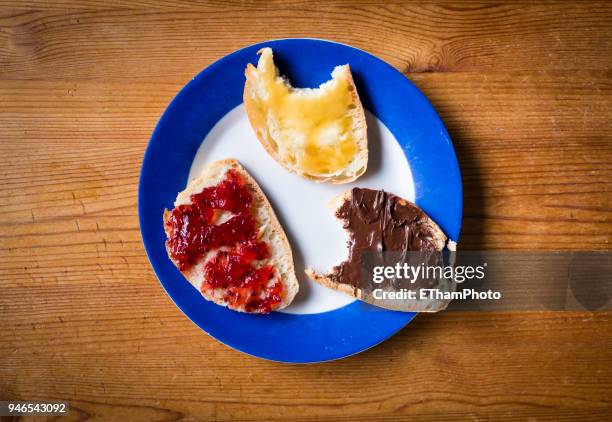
258	123
324	280
214	170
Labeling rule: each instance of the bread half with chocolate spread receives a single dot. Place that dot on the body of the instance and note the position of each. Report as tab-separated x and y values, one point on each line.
377	221
317	133
225	238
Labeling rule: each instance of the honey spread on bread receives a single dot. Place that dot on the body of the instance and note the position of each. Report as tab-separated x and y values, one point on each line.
318	133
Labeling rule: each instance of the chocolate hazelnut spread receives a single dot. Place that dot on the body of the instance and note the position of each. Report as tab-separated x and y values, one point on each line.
378	221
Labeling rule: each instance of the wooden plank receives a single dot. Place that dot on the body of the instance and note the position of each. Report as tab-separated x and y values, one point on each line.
535	156
555	156
173	45
112	355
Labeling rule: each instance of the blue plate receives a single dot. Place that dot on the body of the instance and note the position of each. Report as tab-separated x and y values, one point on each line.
217	90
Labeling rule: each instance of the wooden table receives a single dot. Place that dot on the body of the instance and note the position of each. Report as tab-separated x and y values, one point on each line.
525	91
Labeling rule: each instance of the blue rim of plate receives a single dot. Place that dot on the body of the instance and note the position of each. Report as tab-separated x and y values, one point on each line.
214	92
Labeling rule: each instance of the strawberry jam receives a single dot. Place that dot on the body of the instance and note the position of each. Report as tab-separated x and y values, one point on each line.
233	269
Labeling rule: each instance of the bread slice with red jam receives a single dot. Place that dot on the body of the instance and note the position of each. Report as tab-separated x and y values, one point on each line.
224	237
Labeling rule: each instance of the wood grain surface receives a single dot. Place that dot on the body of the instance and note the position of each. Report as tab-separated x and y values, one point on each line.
526	93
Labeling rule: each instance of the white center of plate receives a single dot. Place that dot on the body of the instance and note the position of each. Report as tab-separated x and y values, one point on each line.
316	236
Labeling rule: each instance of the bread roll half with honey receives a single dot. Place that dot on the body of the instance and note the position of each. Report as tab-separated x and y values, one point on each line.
317	133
